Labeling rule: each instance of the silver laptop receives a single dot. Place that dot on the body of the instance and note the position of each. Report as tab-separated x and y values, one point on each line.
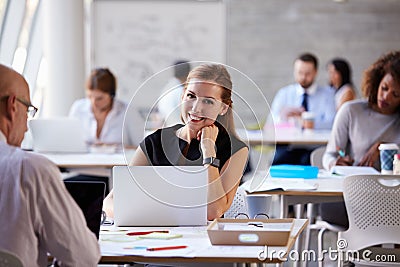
59	135
160	195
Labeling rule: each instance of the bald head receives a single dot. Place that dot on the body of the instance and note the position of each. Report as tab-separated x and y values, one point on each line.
11	82
14	91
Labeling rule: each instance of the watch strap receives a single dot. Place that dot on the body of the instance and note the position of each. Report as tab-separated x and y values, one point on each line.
213	161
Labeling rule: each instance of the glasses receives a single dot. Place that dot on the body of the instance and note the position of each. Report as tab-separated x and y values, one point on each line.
31	108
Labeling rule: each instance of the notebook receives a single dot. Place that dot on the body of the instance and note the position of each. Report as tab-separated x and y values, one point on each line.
353	170
263	182
160	195
64	135
89	197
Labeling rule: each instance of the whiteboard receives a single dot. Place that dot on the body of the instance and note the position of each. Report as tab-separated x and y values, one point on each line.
139	38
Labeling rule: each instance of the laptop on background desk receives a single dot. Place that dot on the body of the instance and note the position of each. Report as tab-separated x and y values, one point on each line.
160	195
58	135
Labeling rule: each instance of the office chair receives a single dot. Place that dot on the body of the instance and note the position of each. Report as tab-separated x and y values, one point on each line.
316	157
372	203
320	225
7	259
238	204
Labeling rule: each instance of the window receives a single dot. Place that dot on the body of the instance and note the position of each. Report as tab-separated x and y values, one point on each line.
3	6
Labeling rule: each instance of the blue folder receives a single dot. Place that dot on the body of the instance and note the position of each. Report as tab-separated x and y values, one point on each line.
293	171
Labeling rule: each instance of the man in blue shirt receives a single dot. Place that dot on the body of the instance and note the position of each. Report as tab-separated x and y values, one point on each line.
305	95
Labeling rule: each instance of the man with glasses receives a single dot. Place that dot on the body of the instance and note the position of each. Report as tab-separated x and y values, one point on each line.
37	213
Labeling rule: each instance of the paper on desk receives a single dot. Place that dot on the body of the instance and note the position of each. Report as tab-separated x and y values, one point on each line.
230	251
118	238
139	246
138	250
266	227
192	237
270	184
353	170
160	236
112	230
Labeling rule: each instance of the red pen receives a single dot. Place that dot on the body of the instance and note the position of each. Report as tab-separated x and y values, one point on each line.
165	248
147	232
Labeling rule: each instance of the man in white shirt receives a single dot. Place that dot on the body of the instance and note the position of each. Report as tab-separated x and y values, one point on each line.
37	214
170	100
304	95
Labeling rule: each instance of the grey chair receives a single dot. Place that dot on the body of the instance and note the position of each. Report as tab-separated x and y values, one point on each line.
372	203
7	259
316	157
238	204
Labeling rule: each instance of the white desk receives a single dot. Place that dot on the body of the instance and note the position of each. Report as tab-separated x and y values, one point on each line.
115	247
328	189
89	160
99	164
284	136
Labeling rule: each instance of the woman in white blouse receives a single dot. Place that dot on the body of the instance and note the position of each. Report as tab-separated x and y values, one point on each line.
102	115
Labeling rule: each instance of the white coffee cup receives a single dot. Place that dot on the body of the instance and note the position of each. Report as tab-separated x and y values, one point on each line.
387	152
258	205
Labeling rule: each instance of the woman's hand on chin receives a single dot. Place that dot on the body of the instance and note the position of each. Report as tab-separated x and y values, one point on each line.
208	136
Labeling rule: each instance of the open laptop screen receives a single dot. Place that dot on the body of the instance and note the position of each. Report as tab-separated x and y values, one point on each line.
58	135
89	197
160	195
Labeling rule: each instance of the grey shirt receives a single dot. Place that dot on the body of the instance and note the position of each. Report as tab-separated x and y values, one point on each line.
356	128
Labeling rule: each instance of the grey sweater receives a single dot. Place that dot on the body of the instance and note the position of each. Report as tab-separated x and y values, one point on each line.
356	128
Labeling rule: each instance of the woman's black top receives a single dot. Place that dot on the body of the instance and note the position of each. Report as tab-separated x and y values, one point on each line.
164	148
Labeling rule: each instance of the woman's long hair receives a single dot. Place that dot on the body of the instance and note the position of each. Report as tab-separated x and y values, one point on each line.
343	67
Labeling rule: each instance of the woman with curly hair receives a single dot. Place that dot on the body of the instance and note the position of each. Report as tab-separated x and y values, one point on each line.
361	126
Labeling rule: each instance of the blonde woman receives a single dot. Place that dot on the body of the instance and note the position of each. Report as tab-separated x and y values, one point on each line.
207	138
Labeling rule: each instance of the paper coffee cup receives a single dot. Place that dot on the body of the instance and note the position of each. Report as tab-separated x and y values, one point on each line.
308	119
387	152
258	205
